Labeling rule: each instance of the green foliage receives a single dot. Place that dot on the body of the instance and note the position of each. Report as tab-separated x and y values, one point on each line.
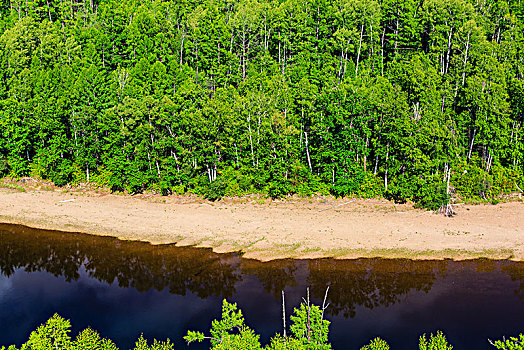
217	189
222	336
435	342
471	182
309	327
52	335
350	181
141	344
288	343
513	343
89	339
62	174
309	332
376	344
433	195
4	166
266	97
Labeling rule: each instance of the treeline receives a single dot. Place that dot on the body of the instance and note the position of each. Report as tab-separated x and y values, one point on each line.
309	331
408	99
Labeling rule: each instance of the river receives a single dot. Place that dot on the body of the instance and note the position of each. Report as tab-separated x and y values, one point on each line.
125	288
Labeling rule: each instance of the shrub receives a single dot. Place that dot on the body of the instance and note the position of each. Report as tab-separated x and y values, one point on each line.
435	342
4	166
429	192
54	334
309	332
432	196
216	189
512	343
222	336
309	327
61	175
89	339
376	344
141	344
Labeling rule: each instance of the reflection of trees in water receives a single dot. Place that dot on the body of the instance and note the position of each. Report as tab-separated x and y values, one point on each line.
516	273
370	282
132	264
362	282
274	275
513	269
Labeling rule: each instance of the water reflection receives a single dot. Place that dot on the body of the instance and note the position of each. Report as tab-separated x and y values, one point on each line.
516	273
131	264
371	282
274	275
365	283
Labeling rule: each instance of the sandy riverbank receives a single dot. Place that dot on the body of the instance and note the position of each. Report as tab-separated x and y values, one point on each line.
265	230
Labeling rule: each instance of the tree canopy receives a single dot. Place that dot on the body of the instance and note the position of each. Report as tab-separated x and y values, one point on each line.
395	98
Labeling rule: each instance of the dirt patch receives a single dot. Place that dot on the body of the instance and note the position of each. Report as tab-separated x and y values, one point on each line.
264	229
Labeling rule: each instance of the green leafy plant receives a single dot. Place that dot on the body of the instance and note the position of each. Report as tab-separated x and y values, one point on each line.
513	343
309	332
435	342
141	344
222	331
52	335
376	344
217	189
89	339
309	327
55	334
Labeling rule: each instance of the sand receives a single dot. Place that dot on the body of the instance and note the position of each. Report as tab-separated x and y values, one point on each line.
265	229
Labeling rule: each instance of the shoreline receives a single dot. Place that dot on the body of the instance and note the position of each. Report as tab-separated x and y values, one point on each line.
315	227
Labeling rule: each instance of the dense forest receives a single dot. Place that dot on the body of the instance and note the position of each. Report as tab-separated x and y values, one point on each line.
408	99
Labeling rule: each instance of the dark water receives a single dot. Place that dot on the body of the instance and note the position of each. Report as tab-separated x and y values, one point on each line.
124	288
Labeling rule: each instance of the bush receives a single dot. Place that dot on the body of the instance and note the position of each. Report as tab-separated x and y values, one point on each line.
309	332
512	343
279	188
429	192
141	344
376	344
309	329
432	196
353	181
54	334
222	336
435	342
61	175
4	166
216	189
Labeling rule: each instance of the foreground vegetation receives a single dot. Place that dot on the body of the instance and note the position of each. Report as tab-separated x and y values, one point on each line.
309	332
408	99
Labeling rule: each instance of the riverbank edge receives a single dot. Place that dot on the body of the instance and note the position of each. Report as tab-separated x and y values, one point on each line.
303	228
265	256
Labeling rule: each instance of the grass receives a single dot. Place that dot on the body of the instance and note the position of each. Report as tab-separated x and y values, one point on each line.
12	186
405	253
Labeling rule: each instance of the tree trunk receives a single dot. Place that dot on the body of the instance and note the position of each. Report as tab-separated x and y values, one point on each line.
471	144
386	173
307	153
244	54
250	138
359	48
